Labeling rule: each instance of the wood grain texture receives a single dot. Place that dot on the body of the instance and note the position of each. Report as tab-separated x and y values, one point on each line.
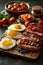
27	56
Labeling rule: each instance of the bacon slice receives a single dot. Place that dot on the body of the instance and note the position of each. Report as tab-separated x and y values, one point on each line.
30	40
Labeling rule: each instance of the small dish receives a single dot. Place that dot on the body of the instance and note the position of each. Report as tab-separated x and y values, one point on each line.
25	17
37	11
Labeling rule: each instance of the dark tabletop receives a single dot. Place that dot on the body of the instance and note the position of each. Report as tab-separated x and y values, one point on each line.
6	59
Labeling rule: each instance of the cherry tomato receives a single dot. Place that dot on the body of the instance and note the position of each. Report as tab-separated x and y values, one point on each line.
30	17
9	6
13	9
5	20
25	6
12	20
27	24
18	9
19	5
41	21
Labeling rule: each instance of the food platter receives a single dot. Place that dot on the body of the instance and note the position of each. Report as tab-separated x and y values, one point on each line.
26	30
28	56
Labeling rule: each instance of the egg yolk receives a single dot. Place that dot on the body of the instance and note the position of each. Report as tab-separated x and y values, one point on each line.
6	42
17	26
11	33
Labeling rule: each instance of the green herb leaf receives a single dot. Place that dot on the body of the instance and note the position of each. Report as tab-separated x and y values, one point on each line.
35	20
1	16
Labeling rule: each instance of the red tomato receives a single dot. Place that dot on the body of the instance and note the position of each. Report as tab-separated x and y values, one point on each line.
25	6
27	24
1	23
13	9
4	20
41	21
12	20
19	5
30	17
9	6
18	9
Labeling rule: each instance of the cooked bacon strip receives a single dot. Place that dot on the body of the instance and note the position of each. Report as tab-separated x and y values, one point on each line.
28	46
30	40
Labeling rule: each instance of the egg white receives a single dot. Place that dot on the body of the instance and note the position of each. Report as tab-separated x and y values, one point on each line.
13	43
16	36
21	29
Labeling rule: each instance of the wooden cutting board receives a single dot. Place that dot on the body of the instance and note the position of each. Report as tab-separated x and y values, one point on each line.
13	51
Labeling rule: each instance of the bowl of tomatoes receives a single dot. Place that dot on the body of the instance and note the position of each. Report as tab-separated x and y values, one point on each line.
15	8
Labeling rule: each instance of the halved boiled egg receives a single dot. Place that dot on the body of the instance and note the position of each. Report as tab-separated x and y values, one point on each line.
13	34
17	27
7	43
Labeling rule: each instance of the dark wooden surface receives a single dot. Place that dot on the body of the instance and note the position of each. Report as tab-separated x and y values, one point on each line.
6	59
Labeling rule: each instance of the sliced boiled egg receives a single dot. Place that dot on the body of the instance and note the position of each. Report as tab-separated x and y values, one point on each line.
17	27
7	43
13	34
